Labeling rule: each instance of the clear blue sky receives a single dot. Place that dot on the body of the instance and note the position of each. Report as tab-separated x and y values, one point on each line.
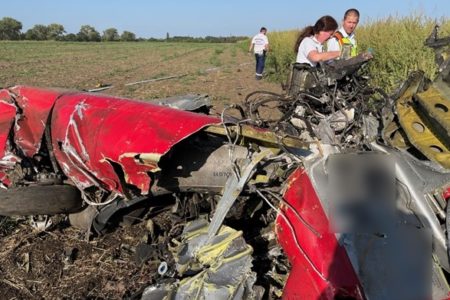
153	18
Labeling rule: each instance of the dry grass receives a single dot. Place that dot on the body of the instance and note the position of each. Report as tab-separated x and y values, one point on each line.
223	71
36	265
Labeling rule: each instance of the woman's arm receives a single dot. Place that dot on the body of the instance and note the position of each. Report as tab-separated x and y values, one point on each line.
316	56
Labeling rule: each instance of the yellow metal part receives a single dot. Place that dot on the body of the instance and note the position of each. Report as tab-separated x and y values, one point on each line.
422	121
211	254
267	138
227	249
445	55
437	105
393	135
422	137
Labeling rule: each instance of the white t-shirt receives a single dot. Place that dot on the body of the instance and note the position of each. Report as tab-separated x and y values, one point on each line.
307	45
333	44
260	40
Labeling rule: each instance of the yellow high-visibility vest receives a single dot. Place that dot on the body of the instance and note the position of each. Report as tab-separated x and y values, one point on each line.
346	41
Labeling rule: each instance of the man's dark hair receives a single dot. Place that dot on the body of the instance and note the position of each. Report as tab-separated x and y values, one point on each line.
263	29
351	11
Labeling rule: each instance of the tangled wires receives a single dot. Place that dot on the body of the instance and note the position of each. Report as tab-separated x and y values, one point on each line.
341	111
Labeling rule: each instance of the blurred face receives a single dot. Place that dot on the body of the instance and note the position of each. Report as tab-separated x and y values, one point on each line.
323	36
350	23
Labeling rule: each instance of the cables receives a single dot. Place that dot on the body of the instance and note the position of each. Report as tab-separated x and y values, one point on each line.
294	235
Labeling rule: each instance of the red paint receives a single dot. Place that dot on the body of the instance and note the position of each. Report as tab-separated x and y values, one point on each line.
104	131
321	268
36	105
92	133
446	194
7	115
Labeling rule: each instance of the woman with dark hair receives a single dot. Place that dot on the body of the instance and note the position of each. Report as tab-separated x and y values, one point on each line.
309	45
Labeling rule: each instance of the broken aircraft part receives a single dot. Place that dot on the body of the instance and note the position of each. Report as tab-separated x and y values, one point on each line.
222	266
246	208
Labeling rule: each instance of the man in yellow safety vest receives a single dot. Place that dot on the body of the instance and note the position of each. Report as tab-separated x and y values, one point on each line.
344	39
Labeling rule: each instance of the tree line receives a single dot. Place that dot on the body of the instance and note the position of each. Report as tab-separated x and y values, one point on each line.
11	29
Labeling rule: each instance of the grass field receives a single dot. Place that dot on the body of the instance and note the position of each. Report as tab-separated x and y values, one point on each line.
224	71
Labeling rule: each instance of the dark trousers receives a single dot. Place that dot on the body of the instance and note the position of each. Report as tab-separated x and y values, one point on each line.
260	62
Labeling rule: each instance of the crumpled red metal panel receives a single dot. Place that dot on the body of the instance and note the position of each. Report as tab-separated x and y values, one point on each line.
103	141
7	116
321	268
35	104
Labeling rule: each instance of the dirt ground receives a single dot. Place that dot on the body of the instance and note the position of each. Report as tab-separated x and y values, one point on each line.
60	263
223	71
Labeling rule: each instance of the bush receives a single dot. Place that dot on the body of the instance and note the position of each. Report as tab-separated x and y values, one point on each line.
397	42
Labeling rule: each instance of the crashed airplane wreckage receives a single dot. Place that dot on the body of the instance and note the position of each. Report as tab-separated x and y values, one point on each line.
334	191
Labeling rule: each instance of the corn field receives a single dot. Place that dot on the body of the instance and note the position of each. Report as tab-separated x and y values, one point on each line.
397	43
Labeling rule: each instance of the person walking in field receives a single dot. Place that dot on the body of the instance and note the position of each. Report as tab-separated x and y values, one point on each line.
260	46
344	39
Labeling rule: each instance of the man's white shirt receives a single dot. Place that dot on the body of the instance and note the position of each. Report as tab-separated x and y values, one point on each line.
260	41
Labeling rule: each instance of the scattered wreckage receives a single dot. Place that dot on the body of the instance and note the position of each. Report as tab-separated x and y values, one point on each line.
332	191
